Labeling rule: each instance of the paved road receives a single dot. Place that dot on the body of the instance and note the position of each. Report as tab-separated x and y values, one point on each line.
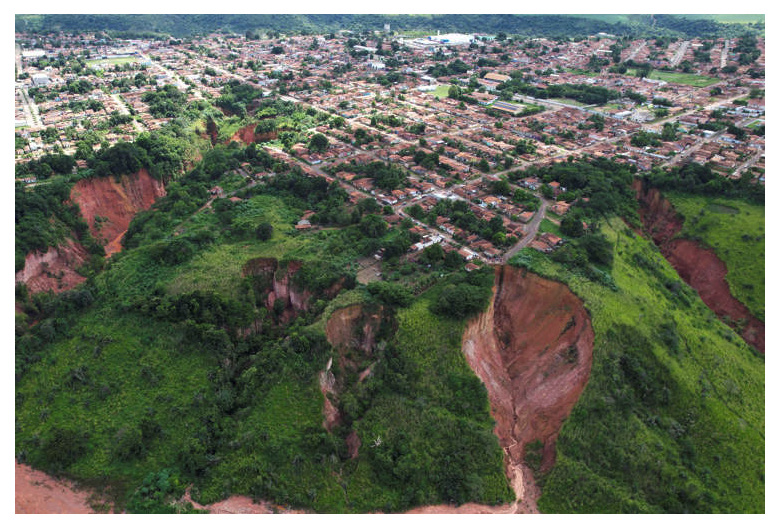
748	163
635	51
18	59
688	152
531	231
679	54
124	110
30	109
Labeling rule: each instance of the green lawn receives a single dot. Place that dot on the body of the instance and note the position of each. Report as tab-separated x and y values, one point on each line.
548	226
670	388
582	72
679	78
569	101
736	231
441	91
114	61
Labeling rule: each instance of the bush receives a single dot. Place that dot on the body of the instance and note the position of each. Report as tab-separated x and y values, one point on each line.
391	294
461	300
63	448
128	444
264	231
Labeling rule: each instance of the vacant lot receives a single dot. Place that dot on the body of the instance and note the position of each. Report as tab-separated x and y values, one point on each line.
103	62
695	80
441	91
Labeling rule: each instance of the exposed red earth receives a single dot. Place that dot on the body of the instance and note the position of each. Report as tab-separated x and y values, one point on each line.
532	349
698	266
54	269
352	330
38	493
247	135
242	505
117	201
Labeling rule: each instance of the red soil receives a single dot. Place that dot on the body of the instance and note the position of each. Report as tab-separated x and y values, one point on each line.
119	201
532	349
705	272
331	415
351	327
41	270
242	505
247	135
698	266
39	493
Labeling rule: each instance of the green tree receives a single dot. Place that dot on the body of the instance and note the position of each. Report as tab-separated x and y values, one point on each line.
372	226
318	142
571	226
264	231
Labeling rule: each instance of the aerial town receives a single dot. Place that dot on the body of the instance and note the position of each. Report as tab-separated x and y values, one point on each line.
402	100
431	264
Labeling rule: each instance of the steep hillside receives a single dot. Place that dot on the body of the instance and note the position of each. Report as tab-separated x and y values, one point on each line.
198	356
693	242
532	351
55	269
672	418
735	230
109	204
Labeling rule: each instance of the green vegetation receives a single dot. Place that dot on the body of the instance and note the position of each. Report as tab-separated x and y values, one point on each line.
43	219
672	418
441	91
113	61
161	335
154	26
694	178
583	93
736	232
548	226
695	80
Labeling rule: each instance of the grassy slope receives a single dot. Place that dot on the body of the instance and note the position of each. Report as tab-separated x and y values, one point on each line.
134	367
736	231
432	347
279	450
672	418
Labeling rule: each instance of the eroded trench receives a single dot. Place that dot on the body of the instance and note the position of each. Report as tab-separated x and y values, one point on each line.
532	348
698	266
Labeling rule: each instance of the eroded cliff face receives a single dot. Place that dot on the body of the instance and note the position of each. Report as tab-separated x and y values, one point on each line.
660	219
54	269
698	266
532	349
277	280
247	135
354	327
352	331
115	203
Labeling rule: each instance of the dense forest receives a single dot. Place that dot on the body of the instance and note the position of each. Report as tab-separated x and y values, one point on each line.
181	25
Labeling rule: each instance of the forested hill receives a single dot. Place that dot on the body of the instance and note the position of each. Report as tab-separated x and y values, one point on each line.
181	25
